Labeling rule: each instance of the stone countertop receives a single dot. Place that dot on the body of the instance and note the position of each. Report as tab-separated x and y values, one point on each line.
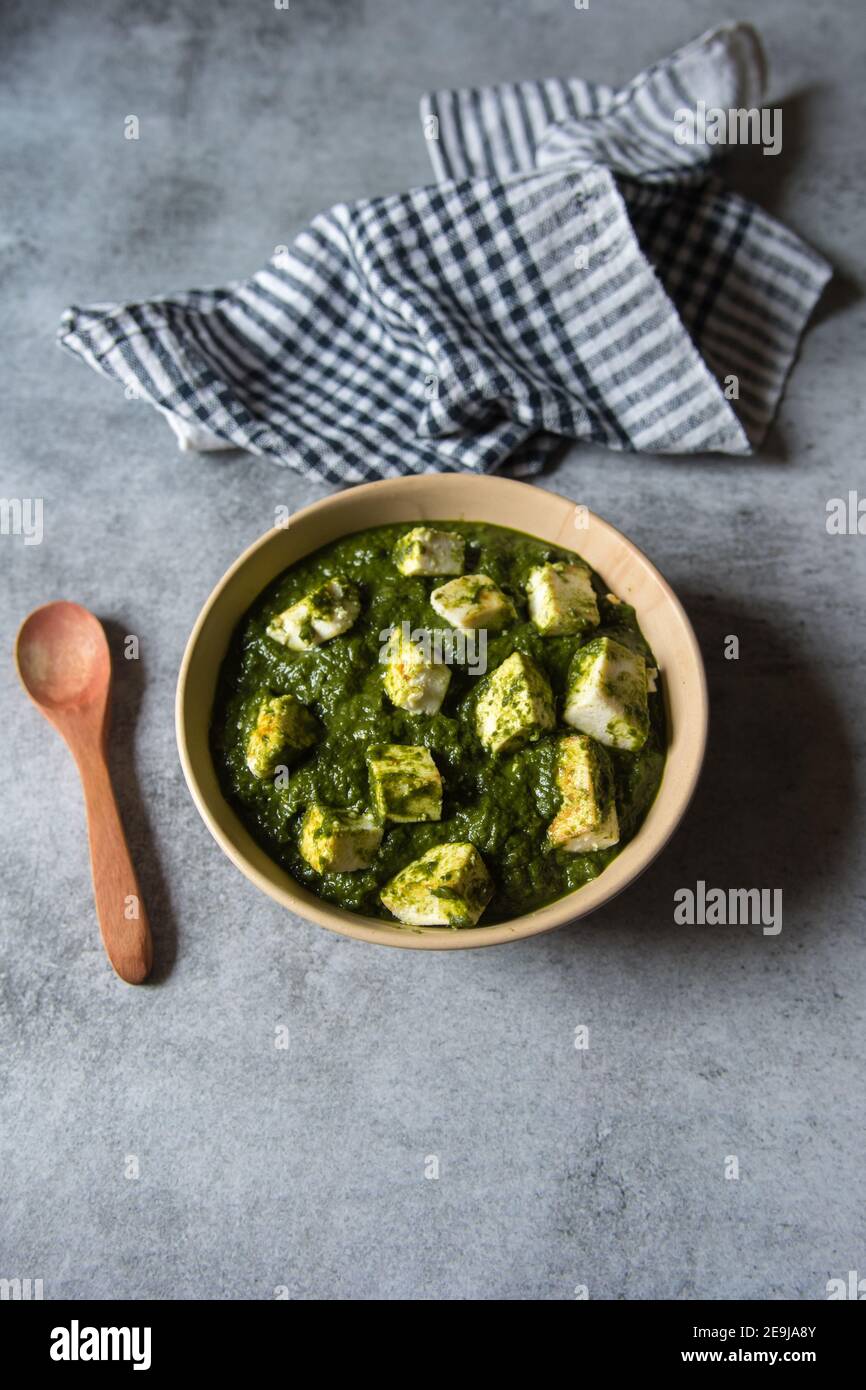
303	1169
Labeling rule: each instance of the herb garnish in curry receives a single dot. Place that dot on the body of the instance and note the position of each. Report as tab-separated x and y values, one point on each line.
440	724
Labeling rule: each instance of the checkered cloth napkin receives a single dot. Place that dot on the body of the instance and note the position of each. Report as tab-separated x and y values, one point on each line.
574	272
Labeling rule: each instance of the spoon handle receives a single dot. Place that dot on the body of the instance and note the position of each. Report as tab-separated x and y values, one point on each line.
119	907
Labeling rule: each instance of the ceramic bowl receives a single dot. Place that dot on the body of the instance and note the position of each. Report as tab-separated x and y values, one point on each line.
448	497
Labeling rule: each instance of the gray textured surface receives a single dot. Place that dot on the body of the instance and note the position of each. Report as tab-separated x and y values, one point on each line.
305	1168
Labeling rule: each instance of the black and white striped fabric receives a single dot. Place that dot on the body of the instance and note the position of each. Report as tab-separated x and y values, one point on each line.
575	272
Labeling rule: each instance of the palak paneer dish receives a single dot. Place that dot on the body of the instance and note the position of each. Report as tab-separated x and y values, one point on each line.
440	725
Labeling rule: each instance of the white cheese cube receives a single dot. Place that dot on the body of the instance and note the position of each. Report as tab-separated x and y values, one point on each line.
516	705
606	694
412	682
587	818
284	728
424	550
473	601
561	599
337	842
449	886
327	612
405	782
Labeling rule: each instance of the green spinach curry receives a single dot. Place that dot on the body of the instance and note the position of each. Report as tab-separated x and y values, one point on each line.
441	724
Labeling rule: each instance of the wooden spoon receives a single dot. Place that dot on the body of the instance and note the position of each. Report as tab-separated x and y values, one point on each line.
65	666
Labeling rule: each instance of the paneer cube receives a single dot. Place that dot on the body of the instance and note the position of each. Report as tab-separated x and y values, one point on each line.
606	694
587	818
337	842
516	706
449	886
424	550
561	599
413	681
327	612
284	728
405	782
471	602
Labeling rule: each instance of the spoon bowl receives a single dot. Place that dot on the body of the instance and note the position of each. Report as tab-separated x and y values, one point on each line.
63	658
